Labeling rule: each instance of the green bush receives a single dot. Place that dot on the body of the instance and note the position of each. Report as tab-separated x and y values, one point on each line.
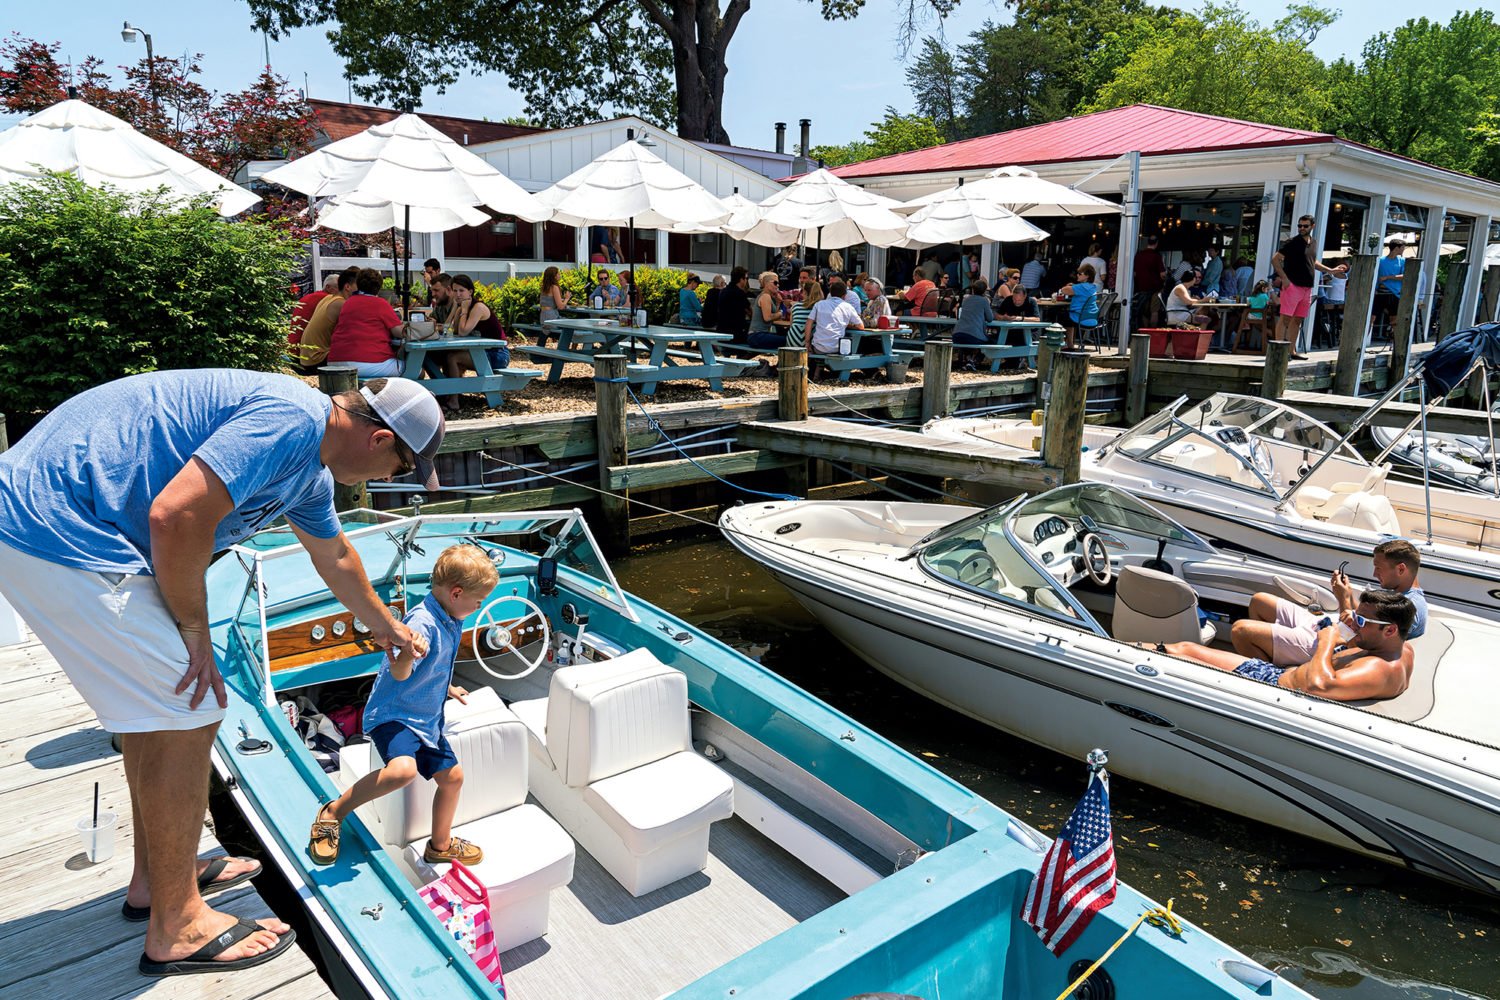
515	301
96	284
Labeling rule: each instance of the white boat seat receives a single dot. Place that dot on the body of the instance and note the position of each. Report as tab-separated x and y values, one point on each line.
613	761
1315	501
526	853
1191	456
1417	702
1368	511
1152	606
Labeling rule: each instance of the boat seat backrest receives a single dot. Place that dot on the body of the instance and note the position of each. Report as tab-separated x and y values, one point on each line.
491	745
1152	606
1193	456
1371	483
1419	699
606	718
1367	511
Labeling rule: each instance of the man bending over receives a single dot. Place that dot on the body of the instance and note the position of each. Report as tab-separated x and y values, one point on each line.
1375	662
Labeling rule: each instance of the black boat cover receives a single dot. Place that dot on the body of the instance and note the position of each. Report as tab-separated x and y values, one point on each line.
1447	363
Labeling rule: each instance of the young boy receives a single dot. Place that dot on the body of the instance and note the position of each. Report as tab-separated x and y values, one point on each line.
404	716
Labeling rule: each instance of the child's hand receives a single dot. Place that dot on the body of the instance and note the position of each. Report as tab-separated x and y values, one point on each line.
461	693
418	644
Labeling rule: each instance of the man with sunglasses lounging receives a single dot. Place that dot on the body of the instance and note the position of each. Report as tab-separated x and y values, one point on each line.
1374	662
111	509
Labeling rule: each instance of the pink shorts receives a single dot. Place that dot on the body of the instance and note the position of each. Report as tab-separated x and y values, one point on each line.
1295	300
1294	634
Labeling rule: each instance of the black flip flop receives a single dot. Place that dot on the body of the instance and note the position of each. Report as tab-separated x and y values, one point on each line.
207	883
203	959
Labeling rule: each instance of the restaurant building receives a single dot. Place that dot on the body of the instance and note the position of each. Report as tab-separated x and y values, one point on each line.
1209	180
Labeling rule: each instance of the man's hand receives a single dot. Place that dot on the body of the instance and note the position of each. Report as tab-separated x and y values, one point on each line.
202	672
398	636
459	692
1343	590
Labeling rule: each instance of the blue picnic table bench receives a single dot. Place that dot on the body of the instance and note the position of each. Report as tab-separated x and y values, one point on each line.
927	327
491	383
672	353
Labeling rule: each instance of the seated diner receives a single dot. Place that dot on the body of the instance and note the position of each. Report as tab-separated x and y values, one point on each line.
362	336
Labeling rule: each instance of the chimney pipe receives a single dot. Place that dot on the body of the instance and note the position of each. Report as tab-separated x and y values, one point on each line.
466	138
806	124
630	135
781	137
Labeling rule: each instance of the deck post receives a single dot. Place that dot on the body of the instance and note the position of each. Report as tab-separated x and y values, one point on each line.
937	367
1401	325
1489	291
1273	380
791	405
334	379
1063	433
1136	389
4	436
614	450
1453	293
1358	300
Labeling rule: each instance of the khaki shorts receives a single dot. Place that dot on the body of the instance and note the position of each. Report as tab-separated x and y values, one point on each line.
1294	634
113	637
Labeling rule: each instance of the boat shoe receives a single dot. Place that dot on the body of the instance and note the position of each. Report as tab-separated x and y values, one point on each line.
459	850
323	847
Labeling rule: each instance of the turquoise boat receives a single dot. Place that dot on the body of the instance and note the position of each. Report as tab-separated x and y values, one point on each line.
661	815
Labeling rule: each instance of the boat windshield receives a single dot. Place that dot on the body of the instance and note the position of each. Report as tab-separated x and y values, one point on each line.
1107	510
1255	444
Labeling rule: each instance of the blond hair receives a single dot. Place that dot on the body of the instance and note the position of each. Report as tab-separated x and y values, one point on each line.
812	293
766	276
464	566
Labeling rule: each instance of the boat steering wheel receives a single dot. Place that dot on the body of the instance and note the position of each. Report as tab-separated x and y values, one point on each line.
502	639
1096	560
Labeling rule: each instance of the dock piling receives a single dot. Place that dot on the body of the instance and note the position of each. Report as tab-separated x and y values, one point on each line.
791	405
1136	388
614	449
1401	325
1358	303
937	367
334	379
4	436
1273	380
1448	318
1063	433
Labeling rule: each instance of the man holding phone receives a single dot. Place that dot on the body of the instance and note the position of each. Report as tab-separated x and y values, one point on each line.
1286	633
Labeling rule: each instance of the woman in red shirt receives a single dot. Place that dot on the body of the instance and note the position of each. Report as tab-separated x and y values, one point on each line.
366	324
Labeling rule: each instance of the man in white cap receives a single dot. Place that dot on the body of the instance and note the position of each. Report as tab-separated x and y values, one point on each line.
111	509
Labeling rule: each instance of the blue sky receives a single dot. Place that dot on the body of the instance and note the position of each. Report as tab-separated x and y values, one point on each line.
842	75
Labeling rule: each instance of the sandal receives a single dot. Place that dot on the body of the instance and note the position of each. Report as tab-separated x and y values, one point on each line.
208	882
323	847
204	960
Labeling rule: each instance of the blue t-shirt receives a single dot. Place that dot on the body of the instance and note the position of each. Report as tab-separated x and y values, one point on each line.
1390	267
77	490
1080	307
973	318
1419	601
417	702
689	309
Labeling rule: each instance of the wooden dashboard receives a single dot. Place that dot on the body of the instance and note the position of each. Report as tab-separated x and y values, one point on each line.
339	636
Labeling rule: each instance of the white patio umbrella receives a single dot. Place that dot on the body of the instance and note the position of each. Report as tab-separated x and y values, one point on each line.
1024	193
632	186
101	150
404	173
822	210
958	215
741	215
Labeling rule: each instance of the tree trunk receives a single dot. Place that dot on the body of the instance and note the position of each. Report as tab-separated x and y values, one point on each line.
700	39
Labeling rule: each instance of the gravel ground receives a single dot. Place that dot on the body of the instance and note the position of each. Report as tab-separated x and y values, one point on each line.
575	392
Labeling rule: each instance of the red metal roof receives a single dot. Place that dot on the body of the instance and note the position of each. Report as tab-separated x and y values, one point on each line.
1098	136
338	121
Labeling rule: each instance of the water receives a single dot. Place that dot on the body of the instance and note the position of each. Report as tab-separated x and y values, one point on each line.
1336	924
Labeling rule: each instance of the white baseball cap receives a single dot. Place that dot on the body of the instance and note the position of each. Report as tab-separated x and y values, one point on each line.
413	414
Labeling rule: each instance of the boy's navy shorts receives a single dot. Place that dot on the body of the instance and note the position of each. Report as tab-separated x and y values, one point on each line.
393	740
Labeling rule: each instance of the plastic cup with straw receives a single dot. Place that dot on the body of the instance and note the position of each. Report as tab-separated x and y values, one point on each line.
97	832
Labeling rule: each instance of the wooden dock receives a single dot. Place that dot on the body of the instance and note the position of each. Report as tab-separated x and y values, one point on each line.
61	933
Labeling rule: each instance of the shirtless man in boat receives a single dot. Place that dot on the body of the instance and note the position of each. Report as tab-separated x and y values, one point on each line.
1286	633
1375	662
111	509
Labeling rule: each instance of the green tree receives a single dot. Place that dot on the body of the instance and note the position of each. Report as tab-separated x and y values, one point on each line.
1426	90
894	133
1093	38
571	60
1222	62
1010	78
935	84
101	284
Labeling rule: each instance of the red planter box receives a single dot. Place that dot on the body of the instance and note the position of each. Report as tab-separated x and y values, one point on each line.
1191	345
1161	337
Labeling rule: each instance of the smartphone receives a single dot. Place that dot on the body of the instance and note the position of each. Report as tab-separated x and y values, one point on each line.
1343	568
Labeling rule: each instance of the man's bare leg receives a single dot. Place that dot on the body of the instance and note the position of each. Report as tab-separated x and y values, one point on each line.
170	796
1252	638
1207	655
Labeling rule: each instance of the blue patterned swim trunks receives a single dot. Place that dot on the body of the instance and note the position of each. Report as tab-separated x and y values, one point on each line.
1259	670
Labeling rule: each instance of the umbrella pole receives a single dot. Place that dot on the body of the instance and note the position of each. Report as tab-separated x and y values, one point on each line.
406	265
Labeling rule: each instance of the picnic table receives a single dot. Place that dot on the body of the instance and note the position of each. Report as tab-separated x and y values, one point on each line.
847	364
493	384
589	312
995	352
673	353
1226	308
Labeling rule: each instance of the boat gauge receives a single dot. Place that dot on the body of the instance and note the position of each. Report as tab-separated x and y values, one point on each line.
361	627
318	633
395	611
339	628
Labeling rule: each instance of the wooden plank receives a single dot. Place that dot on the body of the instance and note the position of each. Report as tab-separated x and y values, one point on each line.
545	498
41	757
1344	409
882	447
681	472
1453	293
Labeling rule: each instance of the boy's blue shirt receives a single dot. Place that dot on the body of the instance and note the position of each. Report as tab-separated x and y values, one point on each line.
417	702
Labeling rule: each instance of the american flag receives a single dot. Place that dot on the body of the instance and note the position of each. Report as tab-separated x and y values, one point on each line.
1077	877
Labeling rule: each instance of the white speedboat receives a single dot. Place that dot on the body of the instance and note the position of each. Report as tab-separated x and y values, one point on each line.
1259	476
1024	617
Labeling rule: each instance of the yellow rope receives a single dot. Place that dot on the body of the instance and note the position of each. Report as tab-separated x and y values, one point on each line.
1161	916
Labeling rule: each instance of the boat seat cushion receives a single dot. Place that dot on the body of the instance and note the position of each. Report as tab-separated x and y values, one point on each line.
1192	456
1367	511
1152	606
605	718
1418	700
654	804
525	853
